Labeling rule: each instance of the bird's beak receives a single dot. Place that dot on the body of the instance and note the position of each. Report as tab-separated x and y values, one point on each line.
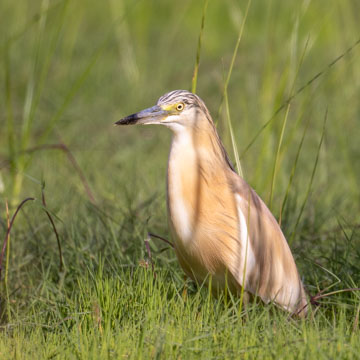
153	115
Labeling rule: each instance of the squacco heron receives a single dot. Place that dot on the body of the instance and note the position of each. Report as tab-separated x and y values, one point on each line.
221	227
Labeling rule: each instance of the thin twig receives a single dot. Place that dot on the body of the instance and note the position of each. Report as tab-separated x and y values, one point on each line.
147	245
61	263
314	299
8	245
320	296
7	264
161	238
9	229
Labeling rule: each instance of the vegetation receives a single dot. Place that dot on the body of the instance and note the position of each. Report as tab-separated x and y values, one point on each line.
282	82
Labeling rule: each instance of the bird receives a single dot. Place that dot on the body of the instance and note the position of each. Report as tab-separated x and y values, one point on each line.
222	230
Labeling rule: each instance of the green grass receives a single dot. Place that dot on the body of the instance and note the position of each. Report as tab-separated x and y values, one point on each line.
132	315
69	70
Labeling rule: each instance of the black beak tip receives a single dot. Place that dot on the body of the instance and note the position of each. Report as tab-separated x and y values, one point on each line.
128	120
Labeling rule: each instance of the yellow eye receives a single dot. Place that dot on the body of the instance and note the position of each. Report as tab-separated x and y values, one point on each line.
180	107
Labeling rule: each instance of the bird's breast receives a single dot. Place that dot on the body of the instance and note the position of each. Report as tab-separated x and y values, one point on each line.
202	211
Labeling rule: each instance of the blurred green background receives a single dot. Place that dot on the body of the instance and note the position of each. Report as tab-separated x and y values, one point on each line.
70	69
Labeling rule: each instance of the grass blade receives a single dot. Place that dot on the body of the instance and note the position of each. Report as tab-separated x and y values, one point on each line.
10	112
300	90
293	171
284	126
225	94
311	179
277	157
232	136
197	61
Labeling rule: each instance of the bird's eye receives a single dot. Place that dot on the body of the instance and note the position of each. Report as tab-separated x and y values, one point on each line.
180	107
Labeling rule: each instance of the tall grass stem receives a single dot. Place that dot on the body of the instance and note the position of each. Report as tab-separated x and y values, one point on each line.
198	52
311	179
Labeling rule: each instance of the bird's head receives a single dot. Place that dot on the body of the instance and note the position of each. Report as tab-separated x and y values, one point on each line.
176	109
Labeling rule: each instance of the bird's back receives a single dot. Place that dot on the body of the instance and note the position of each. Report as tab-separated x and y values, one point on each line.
275	276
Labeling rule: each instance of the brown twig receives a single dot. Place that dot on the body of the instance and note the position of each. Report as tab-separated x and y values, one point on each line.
147	245
8	249
9	229
61	263
318	296
161	238
314	299
71	158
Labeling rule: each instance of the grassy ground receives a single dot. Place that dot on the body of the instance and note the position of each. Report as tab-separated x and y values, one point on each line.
69	69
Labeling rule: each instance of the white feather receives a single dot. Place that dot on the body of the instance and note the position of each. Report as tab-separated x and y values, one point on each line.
247	253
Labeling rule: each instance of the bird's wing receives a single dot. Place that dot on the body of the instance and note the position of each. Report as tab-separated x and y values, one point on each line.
270	270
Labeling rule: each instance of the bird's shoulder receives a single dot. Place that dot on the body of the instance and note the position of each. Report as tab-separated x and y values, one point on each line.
251	203
243	190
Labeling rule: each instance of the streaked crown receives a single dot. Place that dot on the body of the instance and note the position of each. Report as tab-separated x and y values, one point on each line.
188	98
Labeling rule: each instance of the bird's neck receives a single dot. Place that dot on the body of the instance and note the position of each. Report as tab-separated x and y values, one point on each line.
194	148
